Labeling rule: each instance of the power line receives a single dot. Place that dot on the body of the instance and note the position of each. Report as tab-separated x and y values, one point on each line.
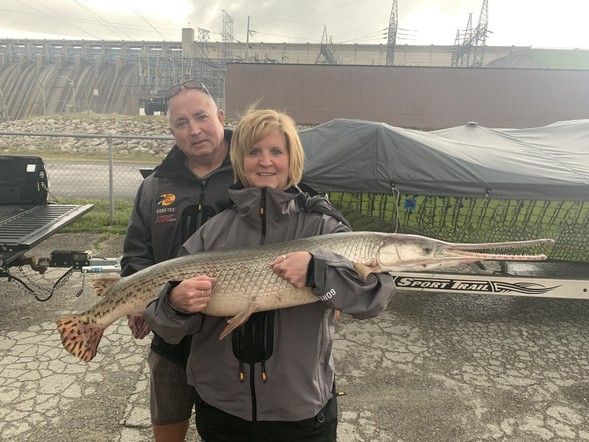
142	17
102	21
56	17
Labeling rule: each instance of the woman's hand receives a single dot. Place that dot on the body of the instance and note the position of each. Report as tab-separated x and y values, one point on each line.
293	267
191	295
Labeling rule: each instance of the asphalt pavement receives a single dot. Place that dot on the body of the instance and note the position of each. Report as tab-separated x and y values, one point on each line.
432	367
92	179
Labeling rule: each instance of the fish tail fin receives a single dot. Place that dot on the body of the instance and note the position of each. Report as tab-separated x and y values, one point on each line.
102	284
238	320
78	337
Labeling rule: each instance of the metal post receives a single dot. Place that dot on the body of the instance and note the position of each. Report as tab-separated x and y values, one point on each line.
247	40
111	192
73	92
43	97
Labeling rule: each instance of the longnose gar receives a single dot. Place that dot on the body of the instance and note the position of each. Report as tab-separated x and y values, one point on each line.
245	281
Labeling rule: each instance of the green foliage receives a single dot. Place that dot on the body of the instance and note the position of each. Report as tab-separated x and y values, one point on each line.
562	59
98	219
473	220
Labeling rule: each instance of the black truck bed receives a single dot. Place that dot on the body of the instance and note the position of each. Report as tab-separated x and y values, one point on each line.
23	227
26	218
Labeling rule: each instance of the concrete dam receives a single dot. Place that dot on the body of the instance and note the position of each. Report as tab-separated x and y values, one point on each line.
47	76
30	87
66	76
42	77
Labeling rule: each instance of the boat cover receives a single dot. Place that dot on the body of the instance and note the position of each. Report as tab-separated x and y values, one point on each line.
541	163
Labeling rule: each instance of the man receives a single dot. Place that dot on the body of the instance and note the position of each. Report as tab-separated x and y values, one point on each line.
185	190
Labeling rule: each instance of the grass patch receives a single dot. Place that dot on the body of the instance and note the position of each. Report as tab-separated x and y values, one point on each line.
98	219
473	220
562	59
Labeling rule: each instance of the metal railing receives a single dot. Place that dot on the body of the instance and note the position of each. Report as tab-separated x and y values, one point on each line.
77	176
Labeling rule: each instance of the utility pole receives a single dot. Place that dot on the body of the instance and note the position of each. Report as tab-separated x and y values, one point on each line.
247	40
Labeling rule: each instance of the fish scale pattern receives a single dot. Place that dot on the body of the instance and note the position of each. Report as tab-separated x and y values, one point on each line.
242	276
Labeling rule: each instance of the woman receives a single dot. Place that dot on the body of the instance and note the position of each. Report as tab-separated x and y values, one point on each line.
273	379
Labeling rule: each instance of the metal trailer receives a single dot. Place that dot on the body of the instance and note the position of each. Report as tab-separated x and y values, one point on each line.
27	218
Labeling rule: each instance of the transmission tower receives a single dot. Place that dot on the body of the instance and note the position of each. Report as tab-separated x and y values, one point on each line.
463	45
481	35
392	35
326	55
472	41
227	36
202	43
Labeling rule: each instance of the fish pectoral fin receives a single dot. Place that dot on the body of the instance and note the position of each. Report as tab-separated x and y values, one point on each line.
102	284
138	326
239	319
365	270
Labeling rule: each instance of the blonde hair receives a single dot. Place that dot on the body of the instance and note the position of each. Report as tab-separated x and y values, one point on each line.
255	125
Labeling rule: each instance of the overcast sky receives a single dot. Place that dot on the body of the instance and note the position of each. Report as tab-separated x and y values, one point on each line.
536	23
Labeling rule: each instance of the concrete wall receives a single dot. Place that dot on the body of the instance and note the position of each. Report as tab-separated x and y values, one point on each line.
259	52
412	97
356	54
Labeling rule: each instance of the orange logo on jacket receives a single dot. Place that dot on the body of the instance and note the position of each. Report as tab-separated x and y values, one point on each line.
166	199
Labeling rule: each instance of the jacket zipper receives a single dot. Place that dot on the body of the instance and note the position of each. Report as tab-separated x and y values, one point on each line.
253	390
253	364
199	208
263	215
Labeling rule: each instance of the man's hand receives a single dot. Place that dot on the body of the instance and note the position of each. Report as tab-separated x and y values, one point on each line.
192	295
293	267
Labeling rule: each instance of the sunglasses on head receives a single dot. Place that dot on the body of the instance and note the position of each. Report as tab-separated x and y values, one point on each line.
190	84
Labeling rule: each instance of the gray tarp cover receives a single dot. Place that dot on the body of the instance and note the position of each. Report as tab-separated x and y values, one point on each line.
545	163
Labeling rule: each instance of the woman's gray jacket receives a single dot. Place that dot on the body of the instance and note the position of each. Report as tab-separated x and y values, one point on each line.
299	368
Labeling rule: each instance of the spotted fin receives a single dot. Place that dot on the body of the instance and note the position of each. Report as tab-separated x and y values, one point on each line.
78	337
102	284
138	326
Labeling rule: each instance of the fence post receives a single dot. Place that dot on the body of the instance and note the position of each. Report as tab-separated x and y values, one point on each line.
111	192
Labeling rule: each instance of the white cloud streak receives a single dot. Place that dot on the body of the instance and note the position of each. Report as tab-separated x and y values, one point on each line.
537	23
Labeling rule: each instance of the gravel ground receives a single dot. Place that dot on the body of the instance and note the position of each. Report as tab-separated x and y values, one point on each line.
432	367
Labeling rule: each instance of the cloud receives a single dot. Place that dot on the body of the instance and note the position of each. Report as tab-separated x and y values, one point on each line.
523	22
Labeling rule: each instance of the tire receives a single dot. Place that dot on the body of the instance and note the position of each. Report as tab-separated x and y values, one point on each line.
148	109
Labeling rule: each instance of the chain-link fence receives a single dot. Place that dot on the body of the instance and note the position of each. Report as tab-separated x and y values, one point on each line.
104	169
